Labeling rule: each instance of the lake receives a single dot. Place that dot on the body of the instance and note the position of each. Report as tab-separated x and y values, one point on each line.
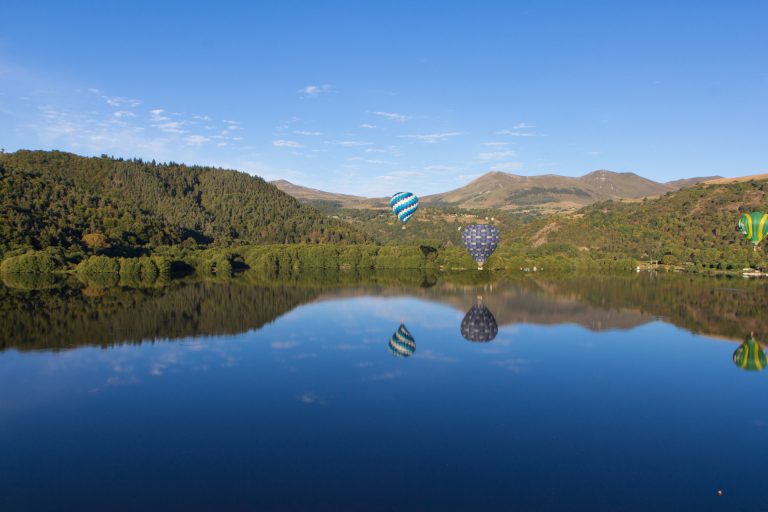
408	392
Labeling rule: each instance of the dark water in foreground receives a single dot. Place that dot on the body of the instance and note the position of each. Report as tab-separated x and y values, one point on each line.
593	394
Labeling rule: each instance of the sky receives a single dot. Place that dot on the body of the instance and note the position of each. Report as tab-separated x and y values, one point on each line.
371	98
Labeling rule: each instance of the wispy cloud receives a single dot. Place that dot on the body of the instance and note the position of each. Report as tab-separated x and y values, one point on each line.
523	126
282	143
120	114
349	143
158	115
392	116
315	90
507	166
196	140
514	133
116	101
495	144
171	127
432	138
308	133
495	155
368	126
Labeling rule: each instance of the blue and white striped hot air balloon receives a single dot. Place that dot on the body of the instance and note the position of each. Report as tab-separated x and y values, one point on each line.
402	344
480	240
404	204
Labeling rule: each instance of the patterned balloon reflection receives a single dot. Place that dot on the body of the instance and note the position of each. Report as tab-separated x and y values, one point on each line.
478	324
750	355
402	344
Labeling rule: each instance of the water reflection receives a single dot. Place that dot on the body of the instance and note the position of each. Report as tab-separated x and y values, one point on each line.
750	355
479	325
59	315
402	344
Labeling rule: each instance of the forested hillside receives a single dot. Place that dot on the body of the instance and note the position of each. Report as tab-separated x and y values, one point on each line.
695	225
64	200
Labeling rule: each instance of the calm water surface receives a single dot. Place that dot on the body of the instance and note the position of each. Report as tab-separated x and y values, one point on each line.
591	394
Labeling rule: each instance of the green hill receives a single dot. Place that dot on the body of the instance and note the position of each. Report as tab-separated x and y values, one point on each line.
694	225
51	198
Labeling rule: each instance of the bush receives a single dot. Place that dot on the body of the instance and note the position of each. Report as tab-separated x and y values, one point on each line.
33	262
99	265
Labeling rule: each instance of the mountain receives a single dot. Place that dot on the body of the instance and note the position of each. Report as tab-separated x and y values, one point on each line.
689	182
546	193
717	180
312	195
51	198
549	192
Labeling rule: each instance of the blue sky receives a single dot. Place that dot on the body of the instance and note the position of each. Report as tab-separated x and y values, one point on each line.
371	98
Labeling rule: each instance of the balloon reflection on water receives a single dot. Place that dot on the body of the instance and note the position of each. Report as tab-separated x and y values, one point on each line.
479	324
750	355
402	344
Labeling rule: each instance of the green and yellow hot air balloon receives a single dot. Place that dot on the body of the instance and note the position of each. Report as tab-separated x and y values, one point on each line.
754	226
750	356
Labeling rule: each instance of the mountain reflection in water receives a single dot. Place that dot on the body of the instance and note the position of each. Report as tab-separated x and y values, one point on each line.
66	316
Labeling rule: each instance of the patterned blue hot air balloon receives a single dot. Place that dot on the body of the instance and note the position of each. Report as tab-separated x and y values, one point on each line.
480	240
404	204
402	344
478	324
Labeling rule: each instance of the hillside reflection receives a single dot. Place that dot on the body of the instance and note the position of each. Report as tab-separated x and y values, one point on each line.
60	315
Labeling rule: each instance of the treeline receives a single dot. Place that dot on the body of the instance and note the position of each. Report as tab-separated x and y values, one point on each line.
129	207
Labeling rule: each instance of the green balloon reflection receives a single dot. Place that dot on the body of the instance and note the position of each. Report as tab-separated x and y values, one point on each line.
750	355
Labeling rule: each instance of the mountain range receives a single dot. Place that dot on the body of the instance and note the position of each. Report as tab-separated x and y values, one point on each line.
544	193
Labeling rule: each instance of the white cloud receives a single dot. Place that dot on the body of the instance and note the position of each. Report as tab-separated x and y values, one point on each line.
522	126
304	132
315	90
392	116
123	113
440	168
196	140
507	166
368	126
495	144
157	115
116	101
493	155
432	138
375	150
514	133
171	127
286	144
349	143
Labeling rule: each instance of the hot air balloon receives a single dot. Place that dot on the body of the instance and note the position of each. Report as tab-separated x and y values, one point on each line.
404	204
750	356
478	324
754	226
480	240
402	344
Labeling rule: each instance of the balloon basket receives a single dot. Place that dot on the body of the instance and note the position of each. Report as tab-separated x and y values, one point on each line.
403	227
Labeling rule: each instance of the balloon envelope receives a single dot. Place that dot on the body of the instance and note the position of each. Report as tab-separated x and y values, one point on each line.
402	344
750	356
480	240
404	204
754	226
479	324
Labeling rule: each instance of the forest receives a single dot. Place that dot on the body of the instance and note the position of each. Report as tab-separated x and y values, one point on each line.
120	221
